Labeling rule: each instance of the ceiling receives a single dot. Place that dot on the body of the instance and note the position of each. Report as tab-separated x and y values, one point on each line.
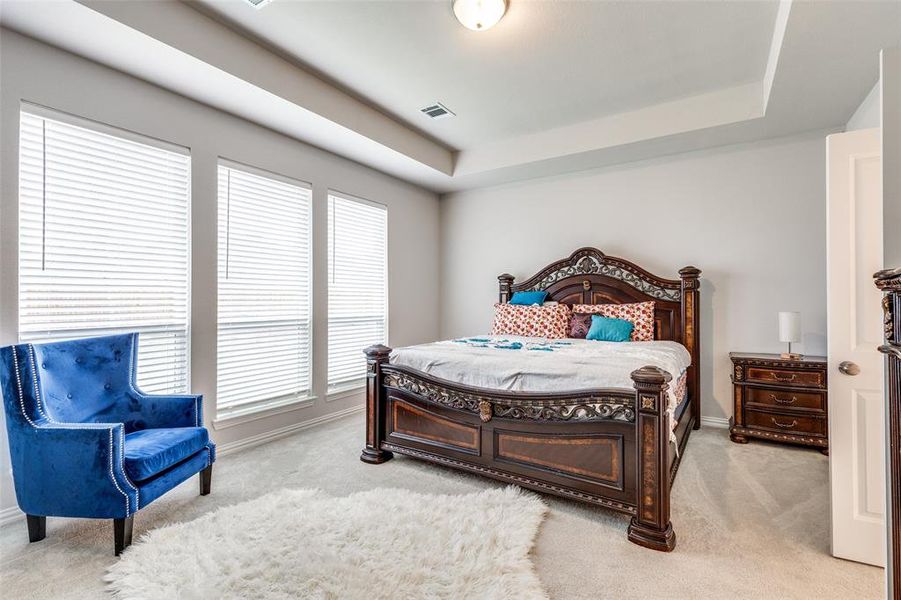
555	87
545	65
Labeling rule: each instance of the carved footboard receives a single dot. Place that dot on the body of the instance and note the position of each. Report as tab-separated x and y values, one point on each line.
606	447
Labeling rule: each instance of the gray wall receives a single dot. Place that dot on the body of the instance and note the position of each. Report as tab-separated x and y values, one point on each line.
38	73
752	217
867	114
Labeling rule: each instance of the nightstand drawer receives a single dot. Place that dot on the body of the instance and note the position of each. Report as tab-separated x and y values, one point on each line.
785	423
785	376
786	398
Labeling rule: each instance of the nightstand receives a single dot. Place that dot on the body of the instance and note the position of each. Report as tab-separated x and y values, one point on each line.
778	399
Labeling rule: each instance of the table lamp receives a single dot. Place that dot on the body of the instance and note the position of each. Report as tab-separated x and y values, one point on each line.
790	331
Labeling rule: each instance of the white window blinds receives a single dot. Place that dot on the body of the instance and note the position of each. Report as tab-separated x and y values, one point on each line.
357	286
103	242
264	289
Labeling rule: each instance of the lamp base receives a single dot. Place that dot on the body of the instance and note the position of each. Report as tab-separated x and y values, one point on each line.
791	355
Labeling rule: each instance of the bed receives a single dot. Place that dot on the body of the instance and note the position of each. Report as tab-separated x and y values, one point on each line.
618	447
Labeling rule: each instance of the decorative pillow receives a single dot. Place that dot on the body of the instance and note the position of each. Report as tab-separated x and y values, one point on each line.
531	321
606	329
528	298
579	325
640	314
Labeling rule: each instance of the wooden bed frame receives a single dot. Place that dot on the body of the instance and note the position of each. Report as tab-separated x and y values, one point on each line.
609	447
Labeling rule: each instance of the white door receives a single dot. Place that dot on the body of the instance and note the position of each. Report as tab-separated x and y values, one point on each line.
856	416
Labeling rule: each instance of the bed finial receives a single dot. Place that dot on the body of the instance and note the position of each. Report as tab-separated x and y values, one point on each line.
505	285
376	352
689	276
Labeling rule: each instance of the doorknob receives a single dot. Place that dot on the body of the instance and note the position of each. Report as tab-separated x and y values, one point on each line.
848	368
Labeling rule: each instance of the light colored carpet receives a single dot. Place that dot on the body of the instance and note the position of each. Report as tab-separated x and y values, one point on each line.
382	544
752	521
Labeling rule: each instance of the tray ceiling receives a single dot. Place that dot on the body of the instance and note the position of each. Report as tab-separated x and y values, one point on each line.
545	65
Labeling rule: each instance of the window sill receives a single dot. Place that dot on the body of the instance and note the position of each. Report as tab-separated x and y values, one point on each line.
346	392
244	414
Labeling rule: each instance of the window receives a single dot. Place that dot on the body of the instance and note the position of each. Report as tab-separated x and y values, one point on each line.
264	289
103	241
357	286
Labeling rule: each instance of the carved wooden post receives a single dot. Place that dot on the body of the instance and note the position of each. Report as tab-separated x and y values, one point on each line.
505	285
651	526
889	281
376	405
691	326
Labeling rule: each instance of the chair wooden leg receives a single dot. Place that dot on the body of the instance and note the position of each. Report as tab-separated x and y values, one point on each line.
206	480
37	528
122	529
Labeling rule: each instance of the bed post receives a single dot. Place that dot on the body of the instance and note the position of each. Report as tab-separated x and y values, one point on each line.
691	335
651	526
376	356
505	285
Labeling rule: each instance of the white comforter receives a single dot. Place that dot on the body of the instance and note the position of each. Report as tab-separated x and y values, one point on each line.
540	365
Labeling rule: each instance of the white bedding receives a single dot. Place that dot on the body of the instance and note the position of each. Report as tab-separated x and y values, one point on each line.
541	365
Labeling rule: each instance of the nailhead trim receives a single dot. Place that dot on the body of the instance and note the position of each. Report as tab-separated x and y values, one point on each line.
34	379
19	387
112	476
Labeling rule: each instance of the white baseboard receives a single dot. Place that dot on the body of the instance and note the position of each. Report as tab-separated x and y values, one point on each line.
268	436
13	514
10	515
721	422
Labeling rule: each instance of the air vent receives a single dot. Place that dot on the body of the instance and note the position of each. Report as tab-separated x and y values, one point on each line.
437	111
258	3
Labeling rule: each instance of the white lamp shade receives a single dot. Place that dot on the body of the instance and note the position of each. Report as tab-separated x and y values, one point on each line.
479	15
789	327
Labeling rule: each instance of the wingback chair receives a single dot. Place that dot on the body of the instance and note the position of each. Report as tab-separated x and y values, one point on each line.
86	442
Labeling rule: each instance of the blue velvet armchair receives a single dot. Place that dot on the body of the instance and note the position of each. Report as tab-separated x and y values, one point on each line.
86	442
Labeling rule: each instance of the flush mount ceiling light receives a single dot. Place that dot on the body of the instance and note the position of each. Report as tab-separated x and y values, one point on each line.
479	15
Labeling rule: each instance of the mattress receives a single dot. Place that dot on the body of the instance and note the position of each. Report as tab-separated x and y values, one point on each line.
526	364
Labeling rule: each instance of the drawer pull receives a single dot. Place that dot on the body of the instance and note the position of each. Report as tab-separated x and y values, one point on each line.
783	425
779	400
789	378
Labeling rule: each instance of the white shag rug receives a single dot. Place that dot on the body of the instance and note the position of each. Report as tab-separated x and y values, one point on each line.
384	543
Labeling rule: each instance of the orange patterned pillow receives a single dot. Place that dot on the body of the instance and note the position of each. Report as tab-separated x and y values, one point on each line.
640	314
548	321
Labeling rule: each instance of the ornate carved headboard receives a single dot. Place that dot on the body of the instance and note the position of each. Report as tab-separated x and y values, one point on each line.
589	276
